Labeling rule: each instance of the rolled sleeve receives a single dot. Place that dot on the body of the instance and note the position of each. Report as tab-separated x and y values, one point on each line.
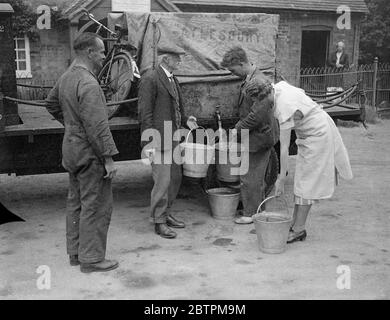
255	117
289	124
95	121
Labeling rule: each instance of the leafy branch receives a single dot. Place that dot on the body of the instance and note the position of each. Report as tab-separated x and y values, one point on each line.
25	19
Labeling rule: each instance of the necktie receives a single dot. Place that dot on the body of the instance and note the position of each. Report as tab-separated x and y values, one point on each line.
177	107
173	84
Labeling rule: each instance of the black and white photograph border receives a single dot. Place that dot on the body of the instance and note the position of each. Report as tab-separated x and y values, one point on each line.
204	246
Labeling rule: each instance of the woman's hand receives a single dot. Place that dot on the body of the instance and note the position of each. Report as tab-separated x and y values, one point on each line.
191	123
279	187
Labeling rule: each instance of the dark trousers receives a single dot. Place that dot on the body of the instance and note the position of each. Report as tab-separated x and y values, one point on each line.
89	207
167	180
252	183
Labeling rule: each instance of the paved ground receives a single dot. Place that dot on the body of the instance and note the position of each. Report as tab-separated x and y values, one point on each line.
210	259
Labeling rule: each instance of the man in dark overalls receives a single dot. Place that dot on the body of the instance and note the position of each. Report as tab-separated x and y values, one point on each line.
79	103
262	128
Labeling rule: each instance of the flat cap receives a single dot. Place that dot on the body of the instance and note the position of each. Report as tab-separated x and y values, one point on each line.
171	49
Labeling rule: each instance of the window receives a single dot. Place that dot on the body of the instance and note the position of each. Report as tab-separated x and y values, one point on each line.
23	66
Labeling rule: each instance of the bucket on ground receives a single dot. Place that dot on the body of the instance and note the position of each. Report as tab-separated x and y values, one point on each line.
223	202
272	227
228	160
197	157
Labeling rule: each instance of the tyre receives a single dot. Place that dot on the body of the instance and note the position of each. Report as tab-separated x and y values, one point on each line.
116	81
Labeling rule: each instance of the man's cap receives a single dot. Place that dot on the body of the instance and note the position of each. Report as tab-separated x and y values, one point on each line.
171	49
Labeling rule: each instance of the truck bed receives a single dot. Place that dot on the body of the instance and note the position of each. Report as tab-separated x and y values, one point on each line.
37	121
34	145
343	111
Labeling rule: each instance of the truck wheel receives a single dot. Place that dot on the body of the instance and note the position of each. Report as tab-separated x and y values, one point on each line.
272	172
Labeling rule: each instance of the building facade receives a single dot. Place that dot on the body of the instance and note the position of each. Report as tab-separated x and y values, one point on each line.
308	30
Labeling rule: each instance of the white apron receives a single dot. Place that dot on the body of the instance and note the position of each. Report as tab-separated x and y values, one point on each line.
320	151
320	146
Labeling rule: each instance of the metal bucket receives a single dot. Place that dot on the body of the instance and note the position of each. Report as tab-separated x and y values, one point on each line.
272	228
224	155
223	202
197	157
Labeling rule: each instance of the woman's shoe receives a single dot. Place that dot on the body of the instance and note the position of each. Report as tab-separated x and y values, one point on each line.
296	236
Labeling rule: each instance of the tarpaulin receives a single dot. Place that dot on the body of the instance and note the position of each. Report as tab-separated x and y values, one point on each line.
205	37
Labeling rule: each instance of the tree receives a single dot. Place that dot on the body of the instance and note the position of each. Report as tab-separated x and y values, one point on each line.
375	32
24	18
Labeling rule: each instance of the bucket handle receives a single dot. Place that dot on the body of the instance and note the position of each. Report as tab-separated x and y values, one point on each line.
269	198
208	138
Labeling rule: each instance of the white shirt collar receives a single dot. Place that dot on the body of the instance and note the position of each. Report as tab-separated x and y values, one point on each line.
338	55
169	74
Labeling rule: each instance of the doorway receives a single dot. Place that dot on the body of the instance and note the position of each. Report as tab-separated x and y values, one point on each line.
314	50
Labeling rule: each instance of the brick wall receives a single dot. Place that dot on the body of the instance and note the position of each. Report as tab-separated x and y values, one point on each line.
290	37
50	55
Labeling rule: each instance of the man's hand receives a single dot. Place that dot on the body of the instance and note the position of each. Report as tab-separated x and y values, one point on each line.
109	165
191	123
279	187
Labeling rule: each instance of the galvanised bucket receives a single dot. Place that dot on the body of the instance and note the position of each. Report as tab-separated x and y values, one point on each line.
272	228
223	202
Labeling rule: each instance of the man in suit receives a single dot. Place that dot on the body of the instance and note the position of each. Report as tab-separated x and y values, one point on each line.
78	102
339	59
339	62
262	128
161	114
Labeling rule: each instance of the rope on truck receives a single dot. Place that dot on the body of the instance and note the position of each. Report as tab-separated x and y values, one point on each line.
33	86
341	95
41	103
349	94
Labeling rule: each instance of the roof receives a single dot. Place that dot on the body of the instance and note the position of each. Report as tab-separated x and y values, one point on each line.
75	6
6	7
308	5
168	5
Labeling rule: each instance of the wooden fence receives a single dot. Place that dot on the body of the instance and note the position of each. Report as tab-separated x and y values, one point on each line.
34	88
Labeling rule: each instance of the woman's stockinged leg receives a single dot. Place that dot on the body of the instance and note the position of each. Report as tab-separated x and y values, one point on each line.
300	216
297	231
